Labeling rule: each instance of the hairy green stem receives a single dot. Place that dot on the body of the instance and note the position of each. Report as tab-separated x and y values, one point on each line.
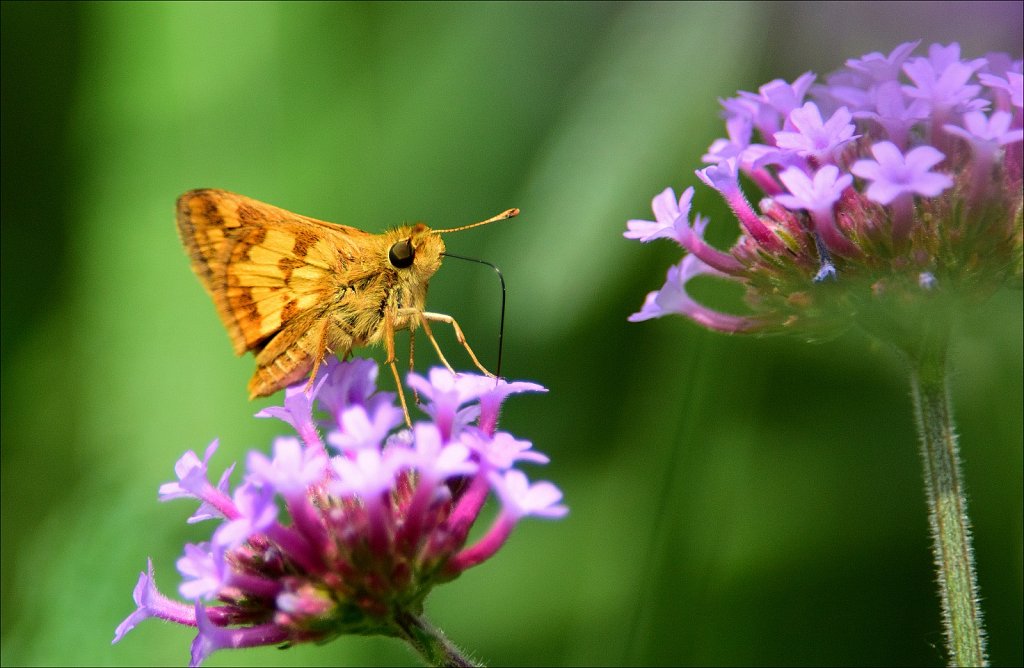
430	643
947	505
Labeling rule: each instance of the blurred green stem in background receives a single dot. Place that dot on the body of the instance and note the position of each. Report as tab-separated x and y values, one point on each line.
947	505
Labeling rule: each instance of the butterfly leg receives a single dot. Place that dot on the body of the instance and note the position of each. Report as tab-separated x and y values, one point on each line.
433	341
389	338
412	358
459	336
318	355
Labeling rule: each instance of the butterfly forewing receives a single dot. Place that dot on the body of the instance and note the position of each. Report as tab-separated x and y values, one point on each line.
271	274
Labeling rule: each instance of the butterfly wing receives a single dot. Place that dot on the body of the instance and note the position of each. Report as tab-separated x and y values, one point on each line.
271	273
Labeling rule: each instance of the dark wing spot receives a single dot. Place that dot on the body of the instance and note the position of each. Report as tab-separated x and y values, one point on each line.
257	235
303	241
245	303
248	215
287	265
212	212
289	311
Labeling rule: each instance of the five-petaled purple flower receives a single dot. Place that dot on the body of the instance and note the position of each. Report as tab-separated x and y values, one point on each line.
348	533
899	178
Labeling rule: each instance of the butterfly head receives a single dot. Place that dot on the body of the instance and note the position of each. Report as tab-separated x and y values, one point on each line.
415	251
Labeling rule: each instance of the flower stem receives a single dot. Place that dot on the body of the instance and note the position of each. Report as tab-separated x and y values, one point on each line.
430	643
947	506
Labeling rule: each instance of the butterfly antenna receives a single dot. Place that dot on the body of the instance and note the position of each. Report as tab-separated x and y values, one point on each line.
501	321
504	215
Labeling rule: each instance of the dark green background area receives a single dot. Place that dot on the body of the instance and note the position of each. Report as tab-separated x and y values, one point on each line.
733	500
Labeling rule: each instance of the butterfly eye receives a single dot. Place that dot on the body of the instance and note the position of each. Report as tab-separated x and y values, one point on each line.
401	254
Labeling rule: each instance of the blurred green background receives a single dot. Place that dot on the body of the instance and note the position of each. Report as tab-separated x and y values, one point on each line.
734	500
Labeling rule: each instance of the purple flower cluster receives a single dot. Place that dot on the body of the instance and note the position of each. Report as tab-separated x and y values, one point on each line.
377	515
899	178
